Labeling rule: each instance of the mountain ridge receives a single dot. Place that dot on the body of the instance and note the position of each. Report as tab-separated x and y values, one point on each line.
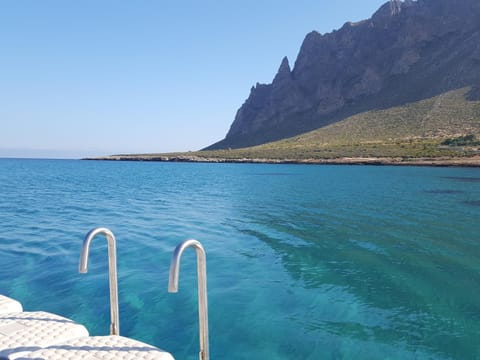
407	51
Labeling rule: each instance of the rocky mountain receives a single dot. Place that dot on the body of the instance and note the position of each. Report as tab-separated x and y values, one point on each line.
406	52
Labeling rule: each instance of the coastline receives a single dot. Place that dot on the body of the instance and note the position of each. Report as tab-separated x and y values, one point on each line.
473	161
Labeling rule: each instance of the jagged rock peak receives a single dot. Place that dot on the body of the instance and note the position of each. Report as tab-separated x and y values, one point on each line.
284	66
312	36
284	71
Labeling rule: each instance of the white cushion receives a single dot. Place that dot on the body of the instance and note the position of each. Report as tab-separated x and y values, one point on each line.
101	348
24	332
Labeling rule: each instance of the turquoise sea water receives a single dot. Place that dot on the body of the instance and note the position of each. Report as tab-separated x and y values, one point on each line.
304	262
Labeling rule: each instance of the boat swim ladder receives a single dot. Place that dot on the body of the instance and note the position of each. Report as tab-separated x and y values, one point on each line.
112	272
202	288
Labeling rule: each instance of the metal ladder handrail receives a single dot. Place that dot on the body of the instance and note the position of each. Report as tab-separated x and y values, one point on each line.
112	272
202	288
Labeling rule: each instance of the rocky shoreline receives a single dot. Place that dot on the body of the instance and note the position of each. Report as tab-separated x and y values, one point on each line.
445	162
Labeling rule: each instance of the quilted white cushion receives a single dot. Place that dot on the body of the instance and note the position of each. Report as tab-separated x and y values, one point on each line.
8	305
23	332
100	348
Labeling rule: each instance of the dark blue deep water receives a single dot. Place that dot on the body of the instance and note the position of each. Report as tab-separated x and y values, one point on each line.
304	262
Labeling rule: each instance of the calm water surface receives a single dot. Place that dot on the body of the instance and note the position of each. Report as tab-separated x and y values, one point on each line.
304	262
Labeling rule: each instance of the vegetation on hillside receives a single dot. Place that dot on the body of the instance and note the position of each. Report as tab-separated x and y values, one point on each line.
467	140
413	130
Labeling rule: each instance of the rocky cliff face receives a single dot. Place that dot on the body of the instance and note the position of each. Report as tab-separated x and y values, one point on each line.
407	51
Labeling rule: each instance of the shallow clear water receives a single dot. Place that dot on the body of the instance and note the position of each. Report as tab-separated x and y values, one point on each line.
304	262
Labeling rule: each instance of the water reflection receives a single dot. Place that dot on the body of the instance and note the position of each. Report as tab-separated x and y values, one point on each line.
394	289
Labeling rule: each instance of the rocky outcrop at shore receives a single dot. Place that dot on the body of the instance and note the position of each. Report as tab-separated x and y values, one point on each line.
397	161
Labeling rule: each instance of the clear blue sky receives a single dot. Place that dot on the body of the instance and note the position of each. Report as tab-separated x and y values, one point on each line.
95	77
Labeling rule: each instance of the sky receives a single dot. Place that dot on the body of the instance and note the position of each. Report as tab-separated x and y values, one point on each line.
98	77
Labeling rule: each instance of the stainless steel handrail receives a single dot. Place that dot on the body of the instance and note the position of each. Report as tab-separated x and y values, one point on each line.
202	288
112	272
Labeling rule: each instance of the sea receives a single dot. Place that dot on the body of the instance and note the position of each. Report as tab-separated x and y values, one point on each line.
303	261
